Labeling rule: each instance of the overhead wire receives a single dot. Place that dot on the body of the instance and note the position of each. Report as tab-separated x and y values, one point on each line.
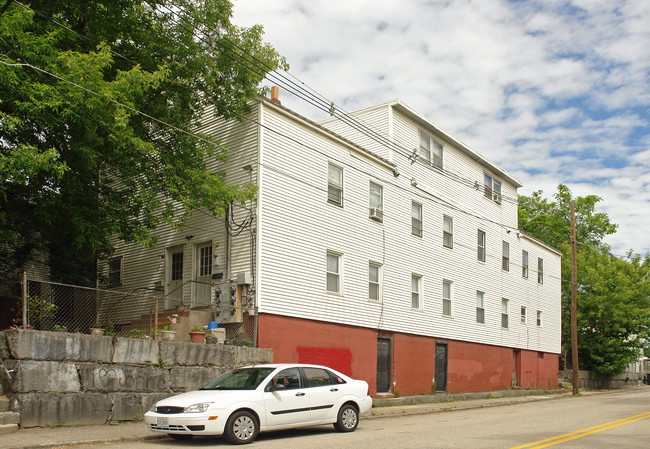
241	116
328	106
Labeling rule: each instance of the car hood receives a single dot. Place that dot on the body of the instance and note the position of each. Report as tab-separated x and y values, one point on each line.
223	397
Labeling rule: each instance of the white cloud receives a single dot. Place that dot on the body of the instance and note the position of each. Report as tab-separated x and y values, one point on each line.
553	92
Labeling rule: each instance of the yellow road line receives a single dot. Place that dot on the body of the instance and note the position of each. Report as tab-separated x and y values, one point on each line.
581	433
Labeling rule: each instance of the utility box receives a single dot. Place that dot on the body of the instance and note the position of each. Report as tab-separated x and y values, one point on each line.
244	278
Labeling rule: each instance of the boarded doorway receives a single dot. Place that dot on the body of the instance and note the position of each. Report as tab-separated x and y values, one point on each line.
383	365
440	376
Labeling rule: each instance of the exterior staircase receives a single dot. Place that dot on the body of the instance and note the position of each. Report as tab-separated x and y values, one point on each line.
8	419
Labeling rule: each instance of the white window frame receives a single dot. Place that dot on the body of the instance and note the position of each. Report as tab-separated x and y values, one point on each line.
377	283
416	291
447	298
115	266
524	264
539	318
540	271
447	231
524	315
337	275
480	307
430	150
416	219
481	246
491	187
333	187
505	305
376	197
505	257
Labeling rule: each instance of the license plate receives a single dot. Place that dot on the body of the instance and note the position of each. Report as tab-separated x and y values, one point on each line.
163	422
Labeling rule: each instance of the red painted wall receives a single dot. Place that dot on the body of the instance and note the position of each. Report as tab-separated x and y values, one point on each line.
353	351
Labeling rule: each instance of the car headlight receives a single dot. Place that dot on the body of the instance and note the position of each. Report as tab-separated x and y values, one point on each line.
197	408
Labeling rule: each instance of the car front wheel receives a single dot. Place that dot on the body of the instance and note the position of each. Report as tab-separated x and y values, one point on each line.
348	419
241	428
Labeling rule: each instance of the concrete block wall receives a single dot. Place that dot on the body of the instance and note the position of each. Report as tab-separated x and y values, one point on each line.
61	378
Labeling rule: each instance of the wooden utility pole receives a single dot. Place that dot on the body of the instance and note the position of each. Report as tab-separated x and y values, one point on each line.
574	304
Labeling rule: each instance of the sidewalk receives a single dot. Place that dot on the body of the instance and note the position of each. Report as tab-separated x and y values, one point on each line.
124	432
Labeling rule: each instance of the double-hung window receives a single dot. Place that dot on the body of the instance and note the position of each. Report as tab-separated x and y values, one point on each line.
430	150
374	281
446	298
540	270
480	307
505	258
491	188
480	246
334	185
376	201
539	318
524	264
416	291
333	272
447	231
524	318
504	313
416	219
115	271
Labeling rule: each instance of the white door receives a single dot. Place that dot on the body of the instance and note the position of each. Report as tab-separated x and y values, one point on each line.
324	393
174	275
203	273
289	405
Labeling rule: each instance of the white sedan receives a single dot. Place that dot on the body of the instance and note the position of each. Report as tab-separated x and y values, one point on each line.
259	398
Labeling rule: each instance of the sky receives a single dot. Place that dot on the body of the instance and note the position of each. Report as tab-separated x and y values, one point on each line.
552	91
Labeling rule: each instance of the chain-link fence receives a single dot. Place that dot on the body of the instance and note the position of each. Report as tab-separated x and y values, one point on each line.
226	316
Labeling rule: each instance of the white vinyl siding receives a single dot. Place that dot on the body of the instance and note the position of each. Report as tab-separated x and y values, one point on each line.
293	230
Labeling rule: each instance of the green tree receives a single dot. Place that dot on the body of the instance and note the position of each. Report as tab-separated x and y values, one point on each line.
97	103
613	303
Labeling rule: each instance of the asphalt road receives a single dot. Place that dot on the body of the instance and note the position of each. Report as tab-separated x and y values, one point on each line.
618	420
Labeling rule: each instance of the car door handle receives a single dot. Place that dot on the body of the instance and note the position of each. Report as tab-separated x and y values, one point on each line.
334	389
300	394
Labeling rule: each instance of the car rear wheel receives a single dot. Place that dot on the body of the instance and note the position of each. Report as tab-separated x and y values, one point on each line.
348	419
180	437
241	428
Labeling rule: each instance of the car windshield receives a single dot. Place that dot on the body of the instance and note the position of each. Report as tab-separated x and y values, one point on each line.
240	379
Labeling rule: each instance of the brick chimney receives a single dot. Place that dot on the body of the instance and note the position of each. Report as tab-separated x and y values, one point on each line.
275	93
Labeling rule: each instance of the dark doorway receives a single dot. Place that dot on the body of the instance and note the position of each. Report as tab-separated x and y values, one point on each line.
516	369
383	365
440	375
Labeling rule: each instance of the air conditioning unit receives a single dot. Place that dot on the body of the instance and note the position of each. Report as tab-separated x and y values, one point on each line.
376	214
497	198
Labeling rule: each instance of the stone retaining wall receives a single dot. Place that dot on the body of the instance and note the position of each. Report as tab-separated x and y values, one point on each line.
592	381
71	379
